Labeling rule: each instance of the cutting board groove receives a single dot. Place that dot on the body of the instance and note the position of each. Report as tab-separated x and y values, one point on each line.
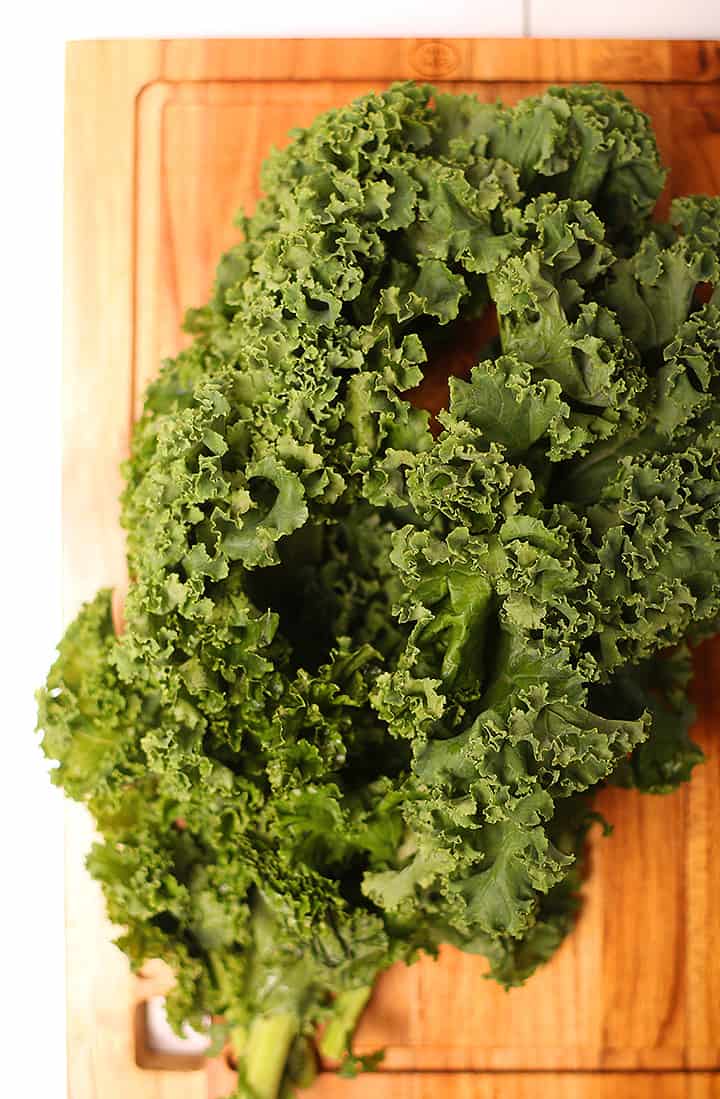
164	141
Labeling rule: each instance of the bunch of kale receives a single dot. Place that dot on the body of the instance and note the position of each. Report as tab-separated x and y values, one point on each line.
371	671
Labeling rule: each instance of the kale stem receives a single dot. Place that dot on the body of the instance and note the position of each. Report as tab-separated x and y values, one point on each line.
238	1041
266	1053
302	1064
348	1009
502	324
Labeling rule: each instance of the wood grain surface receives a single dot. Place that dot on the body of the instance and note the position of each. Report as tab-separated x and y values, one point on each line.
163	145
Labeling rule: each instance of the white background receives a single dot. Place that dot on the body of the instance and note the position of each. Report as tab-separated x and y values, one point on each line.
31	904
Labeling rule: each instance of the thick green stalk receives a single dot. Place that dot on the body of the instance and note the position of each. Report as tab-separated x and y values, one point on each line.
302	1064
266	1053
348	1009
238	1041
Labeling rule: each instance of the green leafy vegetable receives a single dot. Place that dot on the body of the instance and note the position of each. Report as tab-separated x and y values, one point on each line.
372	673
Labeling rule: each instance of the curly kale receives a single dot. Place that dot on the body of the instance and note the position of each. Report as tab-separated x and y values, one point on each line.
375	665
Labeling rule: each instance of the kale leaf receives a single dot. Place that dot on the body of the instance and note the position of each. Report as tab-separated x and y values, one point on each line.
374	666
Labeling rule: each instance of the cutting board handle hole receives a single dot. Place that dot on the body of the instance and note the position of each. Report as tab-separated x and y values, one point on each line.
157	1046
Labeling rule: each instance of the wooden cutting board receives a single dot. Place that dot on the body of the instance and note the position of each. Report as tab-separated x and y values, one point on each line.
163	144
